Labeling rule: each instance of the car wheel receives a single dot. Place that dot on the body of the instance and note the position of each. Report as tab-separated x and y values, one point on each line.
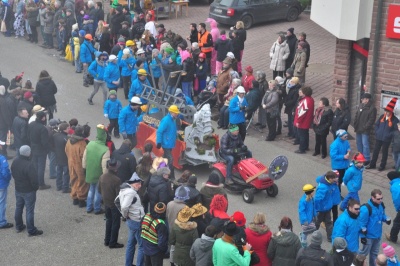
248	195
247	21
272	191
292	14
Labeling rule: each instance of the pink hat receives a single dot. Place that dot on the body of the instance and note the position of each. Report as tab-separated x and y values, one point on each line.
388	250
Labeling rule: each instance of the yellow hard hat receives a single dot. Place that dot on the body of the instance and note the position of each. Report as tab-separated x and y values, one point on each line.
308	188
142	72
130	43
174	109
144	108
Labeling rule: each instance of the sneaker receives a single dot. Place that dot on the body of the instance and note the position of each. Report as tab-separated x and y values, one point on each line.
66	191
99	212
43	187
75	201
381	168
89	100
118	245
89	211
388	238
6	226
21	229
37	233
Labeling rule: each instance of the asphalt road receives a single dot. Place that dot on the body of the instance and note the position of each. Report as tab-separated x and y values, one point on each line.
73	237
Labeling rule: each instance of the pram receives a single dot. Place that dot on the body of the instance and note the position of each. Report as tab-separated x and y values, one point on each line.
208	95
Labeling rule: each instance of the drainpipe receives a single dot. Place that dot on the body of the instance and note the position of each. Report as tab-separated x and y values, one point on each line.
375	51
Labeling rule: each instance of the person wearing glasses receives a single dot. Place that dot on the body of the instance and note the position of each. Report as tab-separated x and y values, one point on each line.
348	226
372	215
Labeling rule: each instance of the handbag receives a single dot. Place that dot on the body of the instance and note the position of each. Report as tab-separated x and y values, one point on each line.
3	26
10	138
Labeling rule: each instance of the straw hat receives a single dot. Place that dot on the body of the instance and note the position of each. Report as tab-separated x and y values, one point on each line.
157	161
198	210
185	214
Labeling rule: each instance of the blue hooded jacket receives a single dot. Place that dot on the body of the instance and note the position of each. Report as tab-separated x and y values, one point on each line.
383	131
338	150
349	229
5	174
86	52
112	108
137	87
395	190
127	120
373	222
127	66
306	210
237	116
155	67
111	74
97	69
353	178
336	199
324	195
166	132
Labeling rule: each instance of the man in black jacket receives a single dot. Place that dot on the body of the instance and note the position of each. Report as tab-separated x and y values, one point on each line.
363	124
5	116
60	140
291	40
159	187
314	255
20	129
26	185
39	138
128	161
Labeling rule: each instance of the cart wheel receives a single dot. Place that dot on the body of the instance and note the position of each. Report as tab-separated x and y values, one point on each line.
248	195
272	191
220	176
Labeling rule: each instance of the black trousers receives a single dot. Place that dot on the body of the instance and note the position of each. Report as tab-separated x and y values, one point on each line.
341	175
271	123
34	34
334	213
320	144
155	260
242	130
396	228
385	151
304	138
113	126
326	218
113	222
126	80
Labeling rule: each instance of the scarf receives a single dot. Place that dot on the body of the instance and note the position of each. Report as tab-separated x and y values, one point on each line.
389	119
240	100
318	115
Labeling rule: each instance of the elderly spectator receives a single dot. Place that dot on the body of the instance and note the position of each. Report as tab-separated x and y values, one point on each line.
341	117
303	118
321	124
270	104
278	54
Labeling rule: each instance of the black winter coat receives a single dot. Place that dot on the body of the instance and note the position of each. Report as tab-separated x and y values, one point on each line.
20	131
229	143
343	258
24	174
324	124
5	115
237	47
194	36
128	162
60	140
168	69
365	118
116	21
46	90
194	196
223	47
12	104
291	99
159	190
39	138
25	104
189	67
341	120
291	41
313	256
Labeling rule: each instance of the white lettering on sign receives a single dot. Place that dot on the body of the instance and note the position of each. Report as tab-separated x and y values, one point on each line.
396	26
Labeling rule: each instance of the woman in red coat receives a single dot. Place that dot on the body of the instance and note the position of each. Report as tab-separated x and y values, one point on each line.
259	236
247	79
303	118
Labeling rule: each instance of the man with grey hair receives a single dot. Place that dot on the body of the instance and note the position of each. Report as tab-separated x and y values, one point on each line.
159	187
26	184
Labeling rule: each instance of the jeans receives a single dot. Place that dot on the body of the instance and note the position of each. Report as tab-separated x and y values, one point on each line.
133	240
230	160
290	124
59	39
349	196
371	249
326	218
40	164
85	72
43	35
113	126
320	144
127	85
303	138
362	141
52	164
113	222
96	87
187	88
93	196
62	181
28	27
27	200
395	228
385	151
396	158
3	205
224	116
168	155
78	65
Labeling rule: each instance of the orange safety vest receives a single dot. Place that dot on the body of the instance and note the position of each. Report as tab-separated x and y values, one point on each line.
203	39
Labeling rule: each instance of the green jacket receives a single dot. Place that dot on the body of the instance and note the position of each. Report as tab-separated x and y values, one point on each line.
95	157
227	254
283	248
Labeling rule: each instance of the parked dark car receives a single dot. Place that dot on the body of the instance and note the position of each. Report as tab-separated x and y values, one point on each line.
254	11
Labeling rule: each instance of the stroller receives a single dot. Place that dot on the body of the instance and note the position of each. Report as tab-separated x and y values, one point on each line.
208	95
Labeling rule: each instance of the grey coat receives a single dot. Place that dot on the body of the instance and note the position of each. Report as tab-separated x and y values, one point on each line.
48	23
278	54
271	101
201	251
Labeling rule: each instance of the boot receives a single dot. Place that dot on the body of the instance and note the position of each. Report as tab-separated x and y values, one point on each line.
29	38
82	203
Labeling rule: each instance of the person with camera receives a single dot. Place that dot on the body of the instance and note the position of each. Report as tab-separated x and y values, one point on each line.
232	147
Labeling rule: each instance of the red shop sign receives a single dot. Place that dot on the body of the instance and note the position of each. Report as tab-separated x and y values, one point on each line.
393	22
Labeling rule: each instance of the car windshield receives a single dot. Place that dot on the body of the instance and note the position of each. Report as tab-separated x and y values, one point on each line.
225	2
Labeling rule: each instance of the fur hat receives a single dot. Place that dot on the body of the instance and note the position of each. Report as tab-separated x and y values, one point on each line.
25	150
218	202
185	214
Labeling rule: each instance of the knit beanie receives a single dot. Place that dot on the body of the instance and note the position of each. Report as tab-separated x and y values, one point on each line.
340	133
388	250
182	193
192	180
28	95
239	219
25	150
160	207
339	243
213	179
316	238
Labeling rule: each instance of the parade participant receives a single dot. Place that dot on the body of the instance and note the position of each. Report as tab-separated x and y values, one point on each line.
395	191
128	122
97	69
307	213
85	53
112	108
137	87
5	177
205	41
111	73
231	146
237	111
166	136
339	151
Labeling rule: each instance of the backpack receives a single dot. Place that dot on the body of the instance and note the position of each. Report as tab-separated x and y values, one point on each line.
370	208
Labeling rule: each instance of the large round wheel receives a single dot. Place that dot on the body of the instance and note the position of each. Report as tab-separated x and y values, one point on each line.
272	191
247	21
292	14
220	176
248	195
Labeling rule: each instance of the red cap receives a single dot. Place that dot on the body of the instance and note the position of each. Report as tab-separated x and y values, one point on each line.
249	69
28	95
239	219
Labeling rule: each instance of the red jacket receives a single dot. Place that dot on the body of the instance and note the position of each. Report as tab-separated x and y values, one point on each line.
259	238
303	117
247	82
